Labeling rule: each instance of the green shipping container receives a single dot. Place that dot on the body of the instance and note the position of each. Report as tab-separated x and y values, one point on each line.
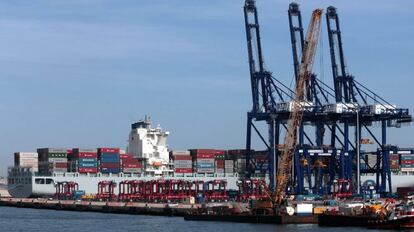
57	155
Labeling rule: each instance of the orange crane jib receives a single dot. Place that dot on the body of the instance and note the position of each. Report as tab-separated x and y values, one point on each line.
296	115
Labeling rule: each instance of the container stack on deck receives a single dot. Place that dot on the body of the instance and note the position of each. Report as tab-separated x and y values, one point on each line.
52	160
394	162
129	164
203	160
239	158
260	162
182	160
407	162
109	160
220	157
228	166
27	159
84	161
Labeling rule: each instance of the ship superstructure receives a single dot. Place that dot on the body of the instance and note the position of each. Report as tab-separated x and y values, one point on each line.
151	144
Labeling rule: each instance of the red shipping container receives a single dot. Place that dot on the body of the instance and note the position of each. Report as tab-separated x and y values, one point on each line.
182	157
202	151
90	170
407	161
108	150
183	170
136	165
219	152
129	159
126	156
61	165
87	155
219	163
109	165
205	156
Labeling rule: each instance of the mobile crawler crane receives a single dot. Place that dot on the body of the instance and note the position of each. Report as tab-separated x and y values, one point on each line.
284	172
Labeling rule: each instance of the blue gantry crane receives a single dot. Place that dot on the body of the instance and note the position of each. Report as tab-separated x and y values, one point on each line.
370	108
317	165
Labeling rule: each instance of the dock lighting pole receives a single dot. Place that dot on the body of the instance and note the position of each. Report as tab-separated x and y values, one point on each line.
358	173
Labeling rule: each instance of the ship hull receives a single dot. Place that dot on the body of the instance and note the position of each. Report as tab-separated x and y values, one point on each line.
44	186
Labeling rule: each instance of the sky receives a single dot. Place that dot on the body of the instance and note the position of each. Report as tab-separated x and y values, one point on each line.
77	73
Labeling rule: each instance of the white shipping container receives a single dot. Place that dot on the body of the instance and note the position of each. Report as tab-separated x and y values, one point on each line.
58	160
27	159
27	154
205	170
180	153
28	165
407	169
132	170
183	162
183	165
52	150
28	162
205	160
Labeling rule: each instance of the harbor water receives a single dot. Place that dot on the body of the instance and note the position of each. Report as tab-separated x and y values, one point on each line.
23	219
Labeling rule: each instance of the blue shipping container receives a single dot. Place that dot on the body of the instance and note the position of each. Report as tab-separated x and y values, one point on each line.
407	165
110	170
205	165
109	160
108	154
88	165
87	160
407	157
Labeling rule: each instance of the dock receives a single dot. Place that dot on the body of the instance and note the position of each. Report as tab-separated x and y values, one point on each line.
154	209
157	209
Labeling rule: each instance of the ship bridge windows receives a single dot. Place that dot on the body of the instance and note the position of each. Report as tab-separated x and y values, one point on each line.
39	181
44	181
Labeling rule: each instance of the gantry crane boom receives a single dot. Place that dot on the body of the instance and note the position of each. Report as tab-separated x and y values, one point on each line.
296	115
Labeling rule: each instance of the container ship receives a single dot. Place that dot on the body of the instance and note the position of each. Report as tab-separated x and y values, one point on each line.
146	158
35	174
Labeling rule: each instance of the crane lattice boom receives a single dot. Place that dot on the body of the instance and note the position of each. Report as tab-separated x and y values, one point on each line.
296	115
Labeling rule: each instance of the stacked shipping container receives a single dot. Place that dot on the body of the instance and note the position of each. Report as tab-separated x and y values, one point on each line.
182	161
109	160
239	158
394	162
407	162
52	160
84	161
220	156
129	164
27	159
203	160
260	162
228	166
